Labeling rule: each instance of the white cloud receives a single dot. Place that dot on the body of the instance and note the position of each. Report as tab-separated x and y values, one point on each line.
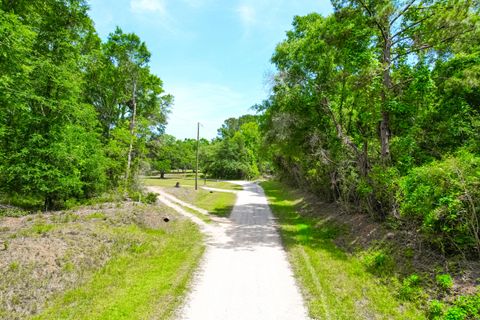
247	14
151	6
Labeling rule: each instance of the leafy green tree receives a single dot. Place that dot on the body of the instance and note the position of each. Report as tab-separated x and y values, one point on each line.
130	101
407	29
73	110
235	154
50	147
372	94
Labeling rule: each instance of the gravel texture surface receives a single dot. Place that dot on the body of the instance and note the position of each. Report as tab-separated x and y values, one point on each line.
245	273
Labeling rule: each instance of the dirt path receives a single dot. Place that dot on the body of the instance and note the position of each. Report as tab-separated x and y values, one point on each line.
245	273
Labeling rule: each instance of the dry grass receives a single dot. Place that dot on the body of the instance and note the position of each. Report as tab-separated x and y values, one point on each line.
43	256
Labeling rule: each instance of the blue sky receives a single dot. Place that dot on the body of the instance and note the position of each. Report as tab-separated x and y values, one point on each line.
212	55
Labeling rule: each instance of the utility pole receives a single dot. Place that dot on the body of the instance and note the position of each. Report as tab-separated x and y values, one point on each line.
198	144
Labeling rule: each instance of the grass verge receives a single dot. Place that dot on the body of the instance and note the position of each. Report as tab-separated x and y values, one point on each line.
336	285
112	261
146	281
205	218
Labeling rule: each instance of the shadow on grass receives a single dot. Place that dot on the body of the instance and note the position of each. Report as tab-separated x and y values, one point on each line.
253	226
311	232
223	212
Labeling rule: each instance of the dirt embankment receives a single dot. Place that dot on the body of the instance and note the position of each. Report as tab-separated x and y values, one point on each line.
409	251
45	254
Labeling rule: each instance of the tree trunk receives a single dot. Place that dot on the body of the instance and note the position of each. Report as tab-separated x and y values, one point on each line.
132	134
361	158
387	86
48	203
363	162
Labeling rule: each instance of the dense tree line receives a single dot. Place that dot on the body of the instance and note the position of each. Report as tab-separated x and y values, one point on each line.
166	153
377	106
234	154
75	112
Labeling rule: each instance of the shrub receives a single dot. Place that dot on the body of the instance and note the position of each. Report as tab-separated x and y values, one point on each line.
435	309
410	289
378	262
467	307
150	198
455	313
444	197
135	195
384	183
444	281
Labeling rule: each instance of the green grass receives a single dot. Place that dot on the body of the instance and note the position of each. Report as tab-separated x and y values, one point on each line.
205	218
146	281
13	212
39	228
97	215
170	181
336	285
217	203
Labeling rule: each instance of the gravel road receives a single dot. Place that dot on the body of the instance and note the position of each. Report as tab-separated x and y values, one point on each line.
245	273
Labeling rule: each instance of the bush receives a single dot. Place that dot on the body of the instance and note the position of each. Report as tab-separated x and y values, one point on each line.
410	289
384	183
444	197
435	310
455	313
135	195
379	262
150	198
444	281
465	307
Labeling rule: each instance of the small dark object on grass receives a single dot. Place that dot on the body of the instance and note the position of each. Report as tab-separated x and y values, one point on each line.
177	185
166	219
211	191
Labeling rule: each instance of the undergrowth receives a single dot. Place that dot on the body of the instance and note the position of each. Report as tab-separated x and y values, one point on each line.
361	282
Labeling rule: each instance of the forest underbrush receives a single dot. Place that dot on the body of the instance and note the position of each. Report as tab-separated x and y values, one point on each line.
390	254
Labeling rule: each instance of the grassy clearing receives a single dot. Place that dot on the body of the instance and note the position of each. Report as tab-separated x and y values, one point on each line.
217	203
105	262
170	181
336	285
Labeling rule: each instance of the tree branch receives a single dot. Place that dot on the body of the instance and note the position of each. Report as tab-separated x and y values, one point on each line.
400	40
411	26
428	46
370	13
338	127
401	13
